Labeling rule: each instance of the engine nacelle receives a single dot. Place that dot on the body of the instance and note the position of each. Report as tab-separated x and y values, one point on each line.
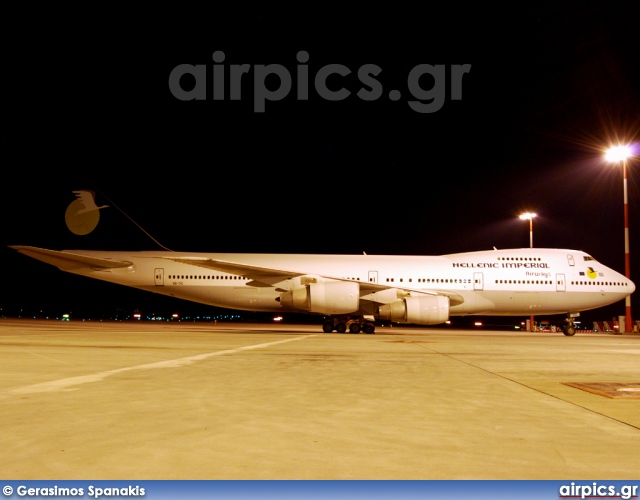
333	297
430	310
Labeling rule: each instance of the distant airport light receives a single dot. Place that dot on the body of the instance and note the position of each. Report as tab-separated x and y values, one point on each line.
478	323
277	318
174	315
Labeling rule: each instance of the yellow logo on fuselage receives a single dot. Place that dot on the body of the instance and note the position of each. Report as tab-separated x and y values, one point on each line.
591	273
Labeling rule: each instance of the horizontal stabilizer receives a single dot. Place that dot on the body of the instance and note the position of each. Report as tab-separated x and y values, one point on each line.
68	261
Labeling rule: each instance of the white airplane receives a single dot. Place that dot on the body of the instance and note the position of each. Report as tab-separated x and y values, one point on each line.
353	291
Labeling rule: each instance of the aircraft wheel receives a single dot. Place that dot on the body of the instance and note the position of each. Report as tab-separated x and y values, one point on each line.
368	328
569	331
341	328
327	328
354	327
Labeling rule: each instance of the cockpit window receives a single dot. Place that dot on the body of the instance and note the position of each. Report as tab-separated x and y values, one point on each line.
588	257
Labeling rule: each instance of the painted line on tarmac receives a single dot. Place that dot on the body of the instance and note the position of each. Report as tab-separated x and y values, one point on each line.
67	383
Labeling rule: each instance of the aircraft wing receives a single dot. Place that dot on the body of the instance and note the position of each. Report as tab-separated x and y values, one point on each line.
269	276
367	288
256	273
454	298
68	261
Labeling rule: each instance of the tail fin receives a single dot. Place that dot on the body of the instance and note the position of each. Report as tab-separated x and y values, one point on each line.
127	216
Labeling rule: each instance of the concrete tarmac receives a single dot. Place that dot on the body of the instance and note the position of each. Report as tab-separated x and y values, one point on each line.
146	400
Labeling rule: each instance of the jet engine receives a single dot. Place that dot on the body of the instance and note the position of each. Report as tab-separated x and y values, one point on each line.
333	297
425	310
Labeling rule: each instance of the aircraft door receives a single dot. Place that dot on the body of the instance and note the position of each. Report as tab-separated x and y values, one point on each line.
159	276
560	283
373	276
478	281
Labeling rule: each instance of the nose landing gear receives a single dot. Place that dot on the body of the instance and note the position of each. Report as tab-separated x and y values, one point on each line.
569	328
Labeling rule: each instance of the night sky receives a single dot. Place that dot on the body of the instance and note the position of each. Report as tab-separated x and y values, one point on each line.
87	105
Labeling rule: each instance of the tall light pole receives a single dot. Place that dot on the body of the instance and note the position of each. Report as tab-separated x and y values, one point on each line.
529	216
617	154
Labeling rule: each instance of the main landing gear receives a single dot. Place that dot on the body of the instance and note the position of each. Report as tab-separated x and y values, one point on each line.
341	324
